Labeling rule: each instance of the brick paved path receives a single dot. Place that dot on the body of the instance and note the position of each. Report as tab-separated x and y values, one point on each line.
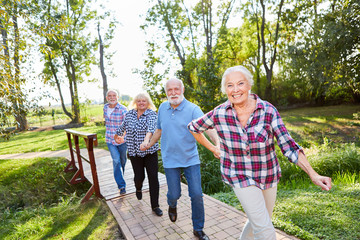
137	221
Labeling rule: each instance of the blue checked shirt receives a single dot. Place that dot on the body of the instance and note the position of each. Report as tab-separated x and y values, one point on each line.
114	122
136	129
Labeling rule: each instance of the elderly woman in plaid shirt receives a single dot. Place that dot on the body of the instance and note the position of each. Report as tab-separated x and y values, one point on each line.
139	125
246	126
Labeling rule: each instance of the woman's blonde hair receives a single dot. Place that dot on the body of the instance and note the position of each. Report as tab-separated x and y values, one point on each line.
143	95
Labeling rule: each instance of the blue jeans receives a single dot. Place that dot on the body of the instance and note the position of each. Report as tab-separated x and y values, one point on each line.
118	154
193	177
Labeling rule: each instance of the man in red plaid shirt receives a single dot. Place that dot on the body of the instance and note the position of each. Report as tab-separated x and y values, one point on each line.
114	114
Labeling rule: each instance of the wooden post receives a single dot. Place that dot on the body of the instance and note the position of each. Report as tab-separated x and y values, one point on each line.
79	175
71	165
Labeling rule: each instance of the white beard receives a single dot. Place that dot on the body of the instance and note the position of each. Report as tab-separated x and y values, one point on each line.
176	101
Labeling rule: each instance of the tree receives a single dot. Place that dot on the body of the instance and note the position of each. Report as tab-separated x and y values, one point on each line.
272	44
67	48
190	34
104	43
324	57
11	95
102	68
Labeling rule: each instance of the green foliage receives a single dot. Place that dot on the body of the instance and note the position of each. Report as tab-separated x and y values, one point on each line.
190	39
210	173
326	159
316	65
20	191
46	206
12	54
208	95
322	64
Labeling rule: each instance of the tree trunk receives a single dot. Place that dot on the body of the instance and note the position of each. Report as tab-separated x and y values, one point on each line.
75	96
186	76
21	113
59	89
102	69
269	68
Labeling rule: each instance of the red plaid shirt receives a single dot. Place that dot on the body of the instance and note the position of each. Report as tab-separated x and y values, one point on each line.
248	153
113	122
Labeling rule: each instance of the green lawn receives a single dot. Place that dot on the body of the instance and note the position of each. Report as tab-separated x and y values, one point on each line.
37	202
38	141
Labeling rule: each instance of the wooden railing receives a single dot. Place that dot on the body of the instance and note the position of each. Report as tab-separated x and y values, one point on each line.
79	176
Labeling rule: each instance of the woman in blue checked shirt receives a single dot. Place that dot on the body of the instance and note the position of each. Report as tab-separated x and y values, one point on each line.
246	126
139	125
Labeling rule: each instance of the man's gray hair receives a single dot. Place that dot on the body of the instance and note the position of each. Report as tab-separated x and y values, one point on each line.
240	69
176	79
112	90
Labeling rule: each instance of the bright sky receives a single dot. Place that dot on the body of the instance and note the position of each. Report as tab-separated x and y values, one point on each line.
129	45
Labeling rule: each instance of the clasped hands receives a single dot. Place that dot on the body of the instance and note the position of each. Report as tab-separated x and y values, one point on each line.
119	139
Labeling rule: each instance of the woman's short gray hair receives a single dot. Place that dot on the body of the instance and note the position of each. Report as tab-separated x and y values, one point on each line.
240	69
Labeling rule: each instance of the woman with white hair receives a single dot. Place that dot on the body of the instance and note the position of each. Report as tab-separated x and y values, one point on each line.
246	126
139	125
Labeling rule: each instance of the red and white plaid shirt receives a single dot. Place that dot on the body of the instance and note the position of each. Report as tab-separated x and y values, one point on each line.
113	122
247	154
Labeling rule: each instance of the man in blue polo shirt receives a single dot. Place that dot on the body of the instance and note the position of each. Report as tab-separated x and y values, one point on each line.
179	151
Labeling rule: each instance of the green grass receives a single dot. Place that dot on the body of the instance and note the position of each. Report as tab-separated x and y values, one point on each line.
309	126
36	202
88	113
38	141
309	213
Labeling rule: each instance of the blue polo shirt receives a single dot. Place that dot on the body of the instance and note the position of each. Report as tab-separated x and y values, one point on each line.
178	145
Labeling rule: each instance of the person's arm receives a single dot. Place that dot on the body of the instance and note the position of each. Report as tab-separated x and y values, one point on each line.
321	181
295	154
155	137
213	136
206	143
146	141
121	131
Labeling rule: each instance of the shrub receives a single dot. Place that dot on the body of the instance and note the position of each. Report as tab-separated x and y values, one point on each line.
326	159
210	173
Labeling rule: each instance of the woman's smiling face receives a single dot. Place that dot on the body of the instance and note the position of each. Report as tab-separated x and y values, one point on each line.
142	104
237	88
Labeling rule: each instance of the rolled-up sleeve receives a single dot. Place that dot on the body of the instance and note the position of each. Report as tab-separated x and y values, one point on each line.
152	121
122	127
287	144
203	123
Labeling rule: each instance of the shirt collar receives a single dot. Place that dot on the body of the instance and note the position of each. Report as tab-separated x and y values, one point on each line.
259	102
116	106
146	112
